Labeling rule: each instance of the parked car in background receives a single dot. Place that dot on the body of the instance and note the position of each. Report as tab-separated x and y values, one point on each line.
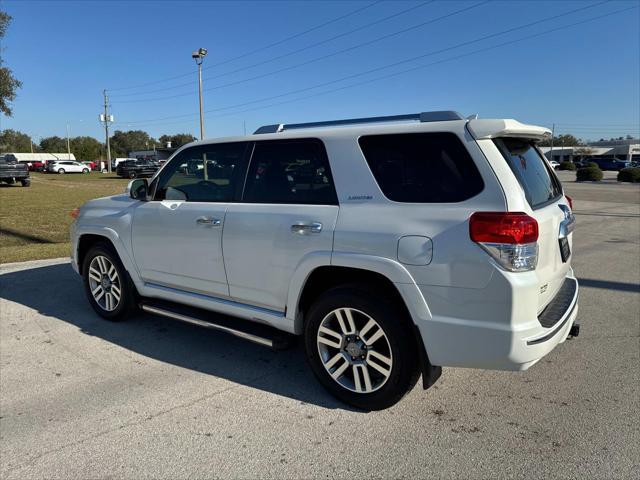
12	171
554	164
610	163
90	164
117	161
393	245
36	166
136	168
67	166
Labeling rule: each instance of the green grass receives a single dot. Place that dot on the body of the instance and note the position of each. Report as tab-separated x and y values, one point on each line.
34	221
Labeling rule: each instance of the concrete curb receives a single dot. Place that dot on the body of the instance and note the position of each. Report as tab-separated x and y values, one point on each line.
15	266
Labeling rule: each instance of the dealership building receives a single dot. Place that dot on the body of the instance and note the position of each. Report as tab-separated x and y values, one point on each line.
622	149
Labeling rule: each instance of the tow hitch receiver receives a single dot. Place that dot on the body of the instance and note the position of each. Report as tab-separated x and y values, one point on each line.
574	331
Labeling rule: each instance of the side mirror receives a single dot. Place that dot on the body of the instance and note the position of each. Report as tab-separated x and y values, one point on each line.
138	189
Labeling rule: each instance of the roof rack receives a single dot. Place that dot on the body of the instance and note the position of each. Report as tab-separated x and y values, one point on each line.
440	116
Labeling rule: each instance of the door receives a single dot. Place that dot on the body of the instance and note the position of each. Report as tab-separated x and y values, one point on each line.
177	236
288	211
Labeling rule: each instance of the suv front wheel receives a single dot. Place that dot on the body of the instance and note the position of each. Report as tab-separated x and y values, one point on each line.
361	348
106	283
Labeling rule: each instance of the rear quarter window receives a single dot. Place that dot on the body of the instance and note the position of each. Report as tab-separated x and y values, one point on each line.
540	184
422	167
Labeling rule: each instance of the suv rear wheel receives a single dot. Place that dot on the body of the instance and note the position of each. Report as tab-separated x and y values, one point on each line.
106	282
359	348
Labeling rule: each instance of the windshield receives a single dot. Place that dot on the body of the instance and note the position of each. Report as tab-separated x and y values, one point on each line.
539	183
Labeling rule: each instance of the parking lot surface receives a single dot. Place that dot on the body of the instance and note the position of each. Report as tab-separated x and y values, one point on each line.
153	398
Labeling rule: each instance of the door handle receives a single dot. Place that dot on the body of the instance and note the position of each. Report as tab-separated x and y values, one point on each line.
208	221
305	228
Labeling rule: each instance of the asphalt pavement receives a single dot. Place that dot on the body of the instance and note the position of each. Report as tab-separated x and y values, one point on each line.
153	398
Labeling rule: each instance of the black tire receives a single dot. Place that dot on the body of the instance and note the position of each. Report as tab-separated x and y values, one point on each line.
128	299
61	171
404	372
133	174
86	170
25	182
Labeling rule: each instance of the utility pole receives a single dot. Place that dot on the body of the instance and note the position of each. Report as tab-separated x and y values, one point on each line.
31	144
68	145
553	132
106	118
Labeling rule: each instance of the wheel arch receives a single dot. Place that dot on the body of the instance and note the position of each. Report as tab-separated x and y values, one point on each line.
89	237
379	273
314	277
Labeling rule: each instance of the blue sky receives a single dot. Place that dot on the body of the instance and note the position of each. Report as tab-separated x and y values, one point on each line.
585	77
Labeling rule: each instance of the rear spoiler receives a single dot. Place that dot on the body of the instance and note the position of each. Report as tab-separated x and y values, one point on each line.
485	129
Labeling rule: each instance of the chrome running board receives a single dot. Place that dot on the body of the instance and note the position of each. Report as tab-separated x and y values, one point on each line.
251	331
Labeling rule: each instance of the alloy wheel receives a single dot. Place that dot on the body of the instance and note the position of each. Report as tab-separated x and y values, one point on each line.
104	283
354	350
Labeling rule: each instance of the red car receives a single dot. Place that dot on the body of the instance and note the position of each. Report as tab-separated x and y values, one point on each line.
36	166
90	164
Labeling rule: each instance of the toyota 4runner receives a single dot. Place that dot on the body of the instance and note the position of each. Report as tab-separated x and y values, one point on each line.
393	245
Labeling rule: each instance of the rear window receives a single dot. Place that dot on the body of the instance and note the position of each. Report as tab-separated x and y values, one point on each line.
540	185
422	167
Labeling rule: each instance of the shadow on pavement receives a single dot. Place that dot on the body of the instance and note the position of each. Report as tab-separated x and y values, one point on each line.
606	284
187	346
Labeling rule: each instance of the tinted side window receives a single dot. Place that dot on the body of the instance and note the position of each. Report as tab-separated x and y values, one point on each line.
422	167
295	171
210	173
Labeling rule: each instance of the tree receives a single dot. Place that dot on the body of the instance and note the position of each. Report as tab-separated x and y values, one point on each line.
177	140
53	144
86	148
583	152
14	141
8	83
124	142
565	140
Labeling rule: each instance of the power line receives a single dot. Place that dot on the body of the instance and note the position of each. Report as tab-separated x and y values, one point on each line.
257	50
373	70
580	125
474	52
288	54
596	129
503	32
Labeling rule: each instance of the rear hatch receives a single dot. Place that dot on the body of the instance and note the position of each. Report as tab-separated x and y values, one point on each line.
550	208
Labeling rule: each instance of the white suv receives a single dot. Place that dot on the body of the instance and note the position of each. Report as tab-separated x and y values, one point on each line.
67	166
393	245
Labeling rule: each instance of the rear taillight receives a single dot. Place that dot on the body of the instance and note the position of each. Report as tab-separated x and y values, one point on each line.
569	201
74	213
509	237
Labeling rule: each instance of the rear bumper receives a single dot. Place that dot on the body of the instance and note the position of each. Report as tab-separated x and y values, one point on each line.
514	343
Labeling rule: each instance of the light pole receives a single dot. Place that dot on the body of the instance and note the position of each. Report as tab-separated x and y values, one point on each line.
68	142
198	56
